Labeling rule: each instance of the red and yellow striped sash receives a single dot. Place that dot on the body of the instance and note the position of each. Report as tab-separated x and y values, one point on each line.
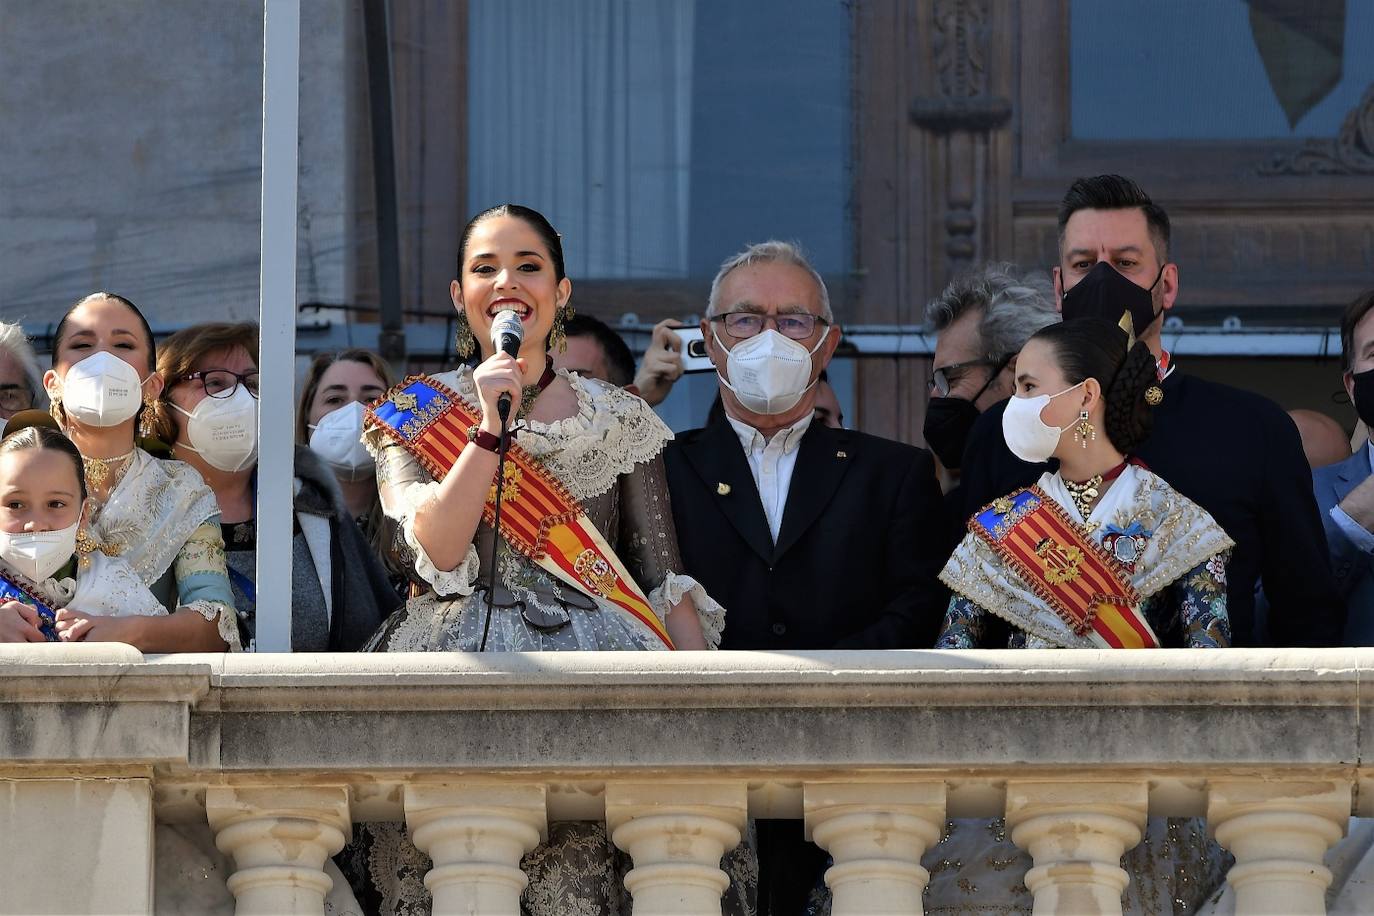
1056	560
539	518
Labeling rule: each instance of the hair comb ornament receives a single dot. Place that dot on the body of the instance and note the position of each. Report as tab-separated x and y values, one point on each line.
1154	395
1128	325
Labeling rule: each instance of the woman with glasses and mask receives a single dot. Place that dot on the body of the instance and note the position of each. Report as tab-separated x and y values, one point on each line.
208	413
338	388
157	516
583	466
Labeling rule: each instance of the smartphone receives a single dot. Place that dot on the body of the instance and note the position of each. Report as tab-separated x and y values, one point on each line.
694	358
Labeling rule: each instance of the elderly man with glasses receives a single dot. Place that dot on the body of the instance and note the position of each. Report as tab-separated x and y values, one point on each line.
21	381
811	537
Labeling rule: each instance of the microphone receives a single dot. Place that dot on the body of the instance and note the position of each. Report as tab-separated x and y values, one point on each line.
507	332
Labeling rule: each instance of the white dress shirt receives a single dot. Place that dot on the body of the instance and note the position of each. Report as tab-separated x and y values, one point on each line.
772	461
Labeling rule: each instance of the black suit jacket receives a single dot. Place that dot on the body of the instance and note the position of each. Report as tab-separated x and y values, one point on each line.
1238	455
861	542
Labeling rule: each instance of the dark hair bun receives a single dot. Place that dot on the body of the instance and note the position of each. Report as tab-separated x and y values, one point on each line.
1129	415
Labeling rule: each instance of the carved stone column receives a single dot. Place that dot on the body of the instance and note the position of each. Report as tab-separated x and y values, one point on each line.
1076	833
676	834
876	833
1279	831
476	835
279	839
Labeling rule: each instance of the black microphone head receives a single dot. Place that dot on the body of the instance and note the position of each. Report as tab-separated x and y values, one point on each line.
507	332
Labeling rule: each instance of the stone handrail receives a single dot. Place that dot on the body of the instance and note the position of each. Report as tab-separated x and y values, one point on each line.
283	753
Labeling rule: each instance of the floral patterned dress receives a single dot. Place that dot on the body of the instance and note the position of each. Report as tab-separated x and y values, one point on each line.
609	457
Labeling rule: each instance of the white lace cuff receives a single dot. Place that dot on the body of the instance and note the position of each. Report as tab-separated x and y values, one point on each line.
709	612
225	618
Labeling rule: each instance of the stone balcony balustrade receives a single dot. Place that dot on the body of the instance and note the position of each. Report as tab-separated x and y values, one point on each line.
281	754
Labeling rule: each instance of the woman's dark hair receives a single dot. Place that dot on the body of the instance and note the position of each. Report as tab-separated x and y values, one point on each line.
552	240
44	437
93	297
1096	348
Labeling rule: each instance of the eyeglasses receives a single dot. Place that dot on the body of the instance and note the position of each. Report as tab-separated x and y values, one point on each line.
15	397
797	325
221	383
946	377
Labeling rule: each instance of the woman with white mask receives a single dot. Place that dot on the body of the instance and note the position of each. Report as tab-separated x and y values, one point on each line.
209	414
1099	554
337	389
157	515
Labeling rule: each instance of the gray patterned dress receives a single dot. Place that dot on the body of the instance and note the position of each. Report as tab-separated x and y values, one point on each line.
609	457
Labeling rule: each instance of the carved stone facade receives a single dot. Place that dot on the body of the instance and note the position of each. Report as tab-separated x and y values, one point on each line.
965	147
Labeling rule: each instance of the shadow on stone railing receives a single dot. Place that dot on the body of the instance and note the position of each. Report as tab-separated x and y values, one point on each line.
281	755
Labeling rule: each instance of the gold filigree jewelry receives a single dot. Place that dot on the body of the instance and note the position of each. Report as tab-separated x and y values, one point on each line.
558	336
1083	494
463	341
1083	430
100	470
145	421
1154	395
55	410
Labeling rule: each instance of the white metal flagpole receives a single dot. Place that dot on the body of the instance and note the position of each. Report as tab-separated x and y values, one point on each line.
281	61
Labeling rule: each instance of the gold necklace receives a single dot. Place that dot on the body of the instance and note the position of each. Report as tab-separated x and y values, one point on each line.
1084	493
99	470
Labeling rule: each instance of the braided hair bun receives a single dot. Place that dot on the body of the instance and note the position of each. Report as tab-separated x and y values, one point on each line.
1096	348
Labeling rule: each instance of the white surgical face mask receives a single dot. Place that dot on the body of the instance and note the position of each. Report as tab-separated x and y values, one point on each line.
39	554
101	390
769	373
1029	437
337	438
224	431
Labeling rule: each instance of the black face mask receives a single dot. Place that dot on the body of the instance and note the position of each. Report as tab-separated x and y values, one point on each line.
949	421
1105	293
948	424
1364	396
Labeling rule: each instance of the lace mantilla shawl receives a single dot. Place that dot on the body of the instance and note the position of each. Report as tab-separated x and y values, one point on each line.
611	432
1184	536
152	513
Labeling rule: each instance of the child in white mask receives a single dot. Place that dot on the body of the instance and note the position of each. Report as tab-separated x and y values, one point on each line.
51	575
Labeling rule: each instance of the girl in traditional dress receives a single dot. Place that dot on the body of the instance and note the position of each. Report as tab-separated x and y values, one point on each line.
589	453
51	581
156	515
1098	554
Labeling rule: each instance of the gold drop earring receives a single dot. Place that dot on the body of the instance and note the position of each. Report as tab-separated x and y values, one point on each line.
1083	430
463	341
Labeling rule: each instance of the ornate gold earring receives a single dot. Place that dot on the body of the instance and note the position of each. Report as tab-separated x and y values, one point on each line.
145	422
558	336
1084	430
55	409
463	341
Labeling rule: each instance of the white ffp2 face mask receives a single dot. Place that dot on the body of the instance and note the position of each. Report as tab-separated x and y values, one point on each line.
769	373
338	439
101	390
224	431
39	554
1029	437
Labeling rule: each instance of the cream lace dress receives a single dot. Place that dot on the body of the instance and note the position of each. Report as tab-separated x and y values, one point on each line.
609	457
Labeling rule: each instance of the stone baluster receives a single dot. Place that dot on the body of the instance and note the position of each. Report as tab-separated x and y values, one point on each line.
676	834
876	833
1076	833
476	835
1279	832
279	839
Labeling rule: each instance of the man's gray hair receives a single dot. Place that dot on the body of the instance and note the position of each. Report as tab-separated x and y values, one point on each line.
772	251
13	342
1013	304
